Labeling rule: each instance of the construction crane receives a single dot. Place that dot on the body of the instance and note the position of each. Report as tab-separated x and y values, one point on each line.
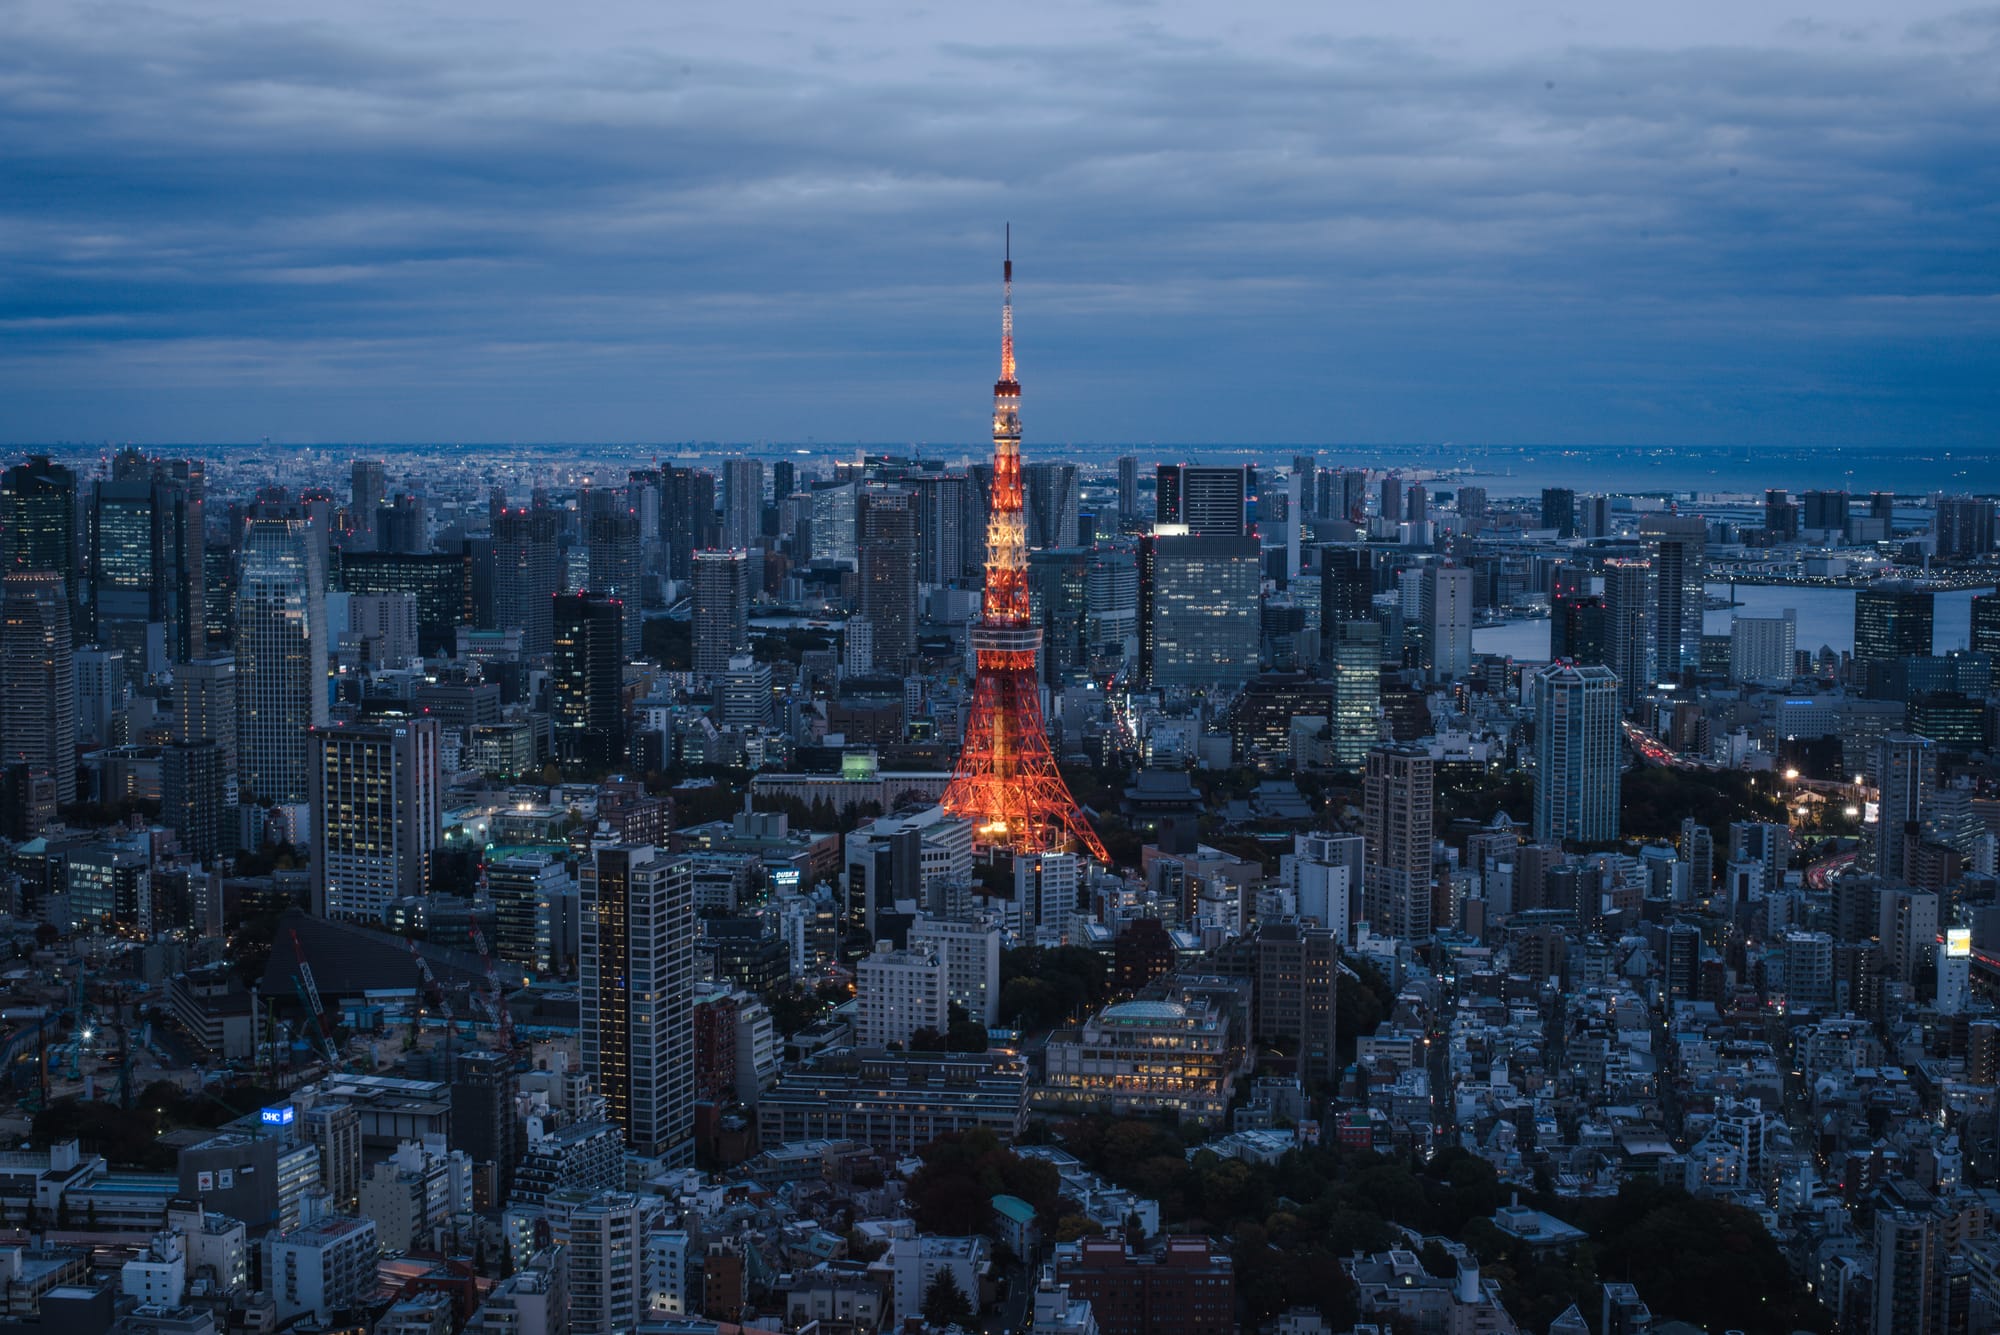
309	994
502	1017
431	983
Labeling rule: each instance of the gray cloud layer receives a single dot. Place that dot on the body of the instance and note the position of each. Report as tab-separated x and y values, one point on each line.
656	223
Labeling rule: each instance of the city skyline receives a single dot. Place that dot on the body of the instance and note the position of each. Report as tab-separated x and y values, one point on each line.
374	224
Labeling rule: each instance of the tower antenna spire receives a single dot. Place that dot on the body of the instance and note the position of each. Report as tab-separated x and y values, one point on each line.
1007	306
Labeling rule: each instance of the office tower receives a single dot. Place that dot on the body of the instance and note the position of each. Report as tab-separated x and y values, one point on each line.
101	692
1892	621
38	520
1353	496
1208	500
191	778
1678	548
376	802
146	561
281	659
399	525
743	503
1630	608
1696	847
721	608
1906	776
687	517
1985	638
1397	811
205	704
940	514
439	582
38	679
1764	648
1128	488
1390	502
1446	600
1472	507
1346	586
1963	526
1593	516
1051	503
637	990
1111	604
1306	469
886	518
1579	629
368	486
587	682
1559	511
1825	511
1781	516
519	882
1417	504
784	479
527	575
616	570
1354	661
1006	783
1579	753
1057	581
1198	609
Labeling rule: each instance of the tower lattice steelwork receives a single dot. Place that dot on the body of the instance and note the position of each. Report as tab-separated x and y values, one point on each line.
1007	780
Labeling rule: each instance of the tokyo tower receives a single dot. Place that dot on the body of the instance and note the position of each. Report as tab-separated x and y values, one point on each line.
1007	782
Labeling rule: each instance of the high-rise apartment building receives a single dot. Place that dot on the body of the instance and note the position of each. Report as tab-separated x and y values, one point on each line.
1906	775
637	989
1631	610
1398	810
520	882
205	703
886	518
38	678
1446	599
743	503
969	949
527	575
281	658
1678	548
368	487
721	608
1964	526
587	682
1763	648
377	816
898	993
1579	753
687	517
191	792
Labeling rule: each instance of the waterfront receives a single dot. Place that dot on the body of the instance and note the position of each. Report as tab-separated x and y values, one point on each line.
1825	619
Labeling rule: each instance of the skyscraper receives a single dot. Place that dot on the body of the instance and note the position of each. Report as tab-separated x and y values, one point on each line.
1964	526
205	704
1446	594
1398	809
1052	504
1630	608
1579	629
1128	488
368	487
1678	545
721	608
38	678
1892	620
1346	587
38	519
886	518
1906	772
281	658
146	562
687	517
587	682
743	503
1354	661
616	570
1208	500
940	516
1198	614
1763	648
1986	632
1559	510
1578	754
376	801
191	777
526	576
1390	499
636	986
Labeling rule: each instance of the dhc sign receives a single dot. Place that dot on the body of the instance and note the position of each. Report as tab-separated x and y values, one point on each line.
279	1116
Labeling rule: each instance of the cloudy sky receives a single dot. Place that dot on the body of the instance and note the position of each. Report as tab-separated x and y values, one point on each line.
657	220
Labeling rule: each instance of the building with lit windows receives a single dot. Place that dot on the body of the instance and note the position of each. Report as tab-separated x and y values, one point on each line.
637	986
376	816
1145	1057
281	659
1198	608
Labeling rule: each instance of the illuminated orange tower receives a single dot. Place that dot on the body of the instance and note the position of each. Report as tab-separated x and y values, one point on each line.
1007	781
